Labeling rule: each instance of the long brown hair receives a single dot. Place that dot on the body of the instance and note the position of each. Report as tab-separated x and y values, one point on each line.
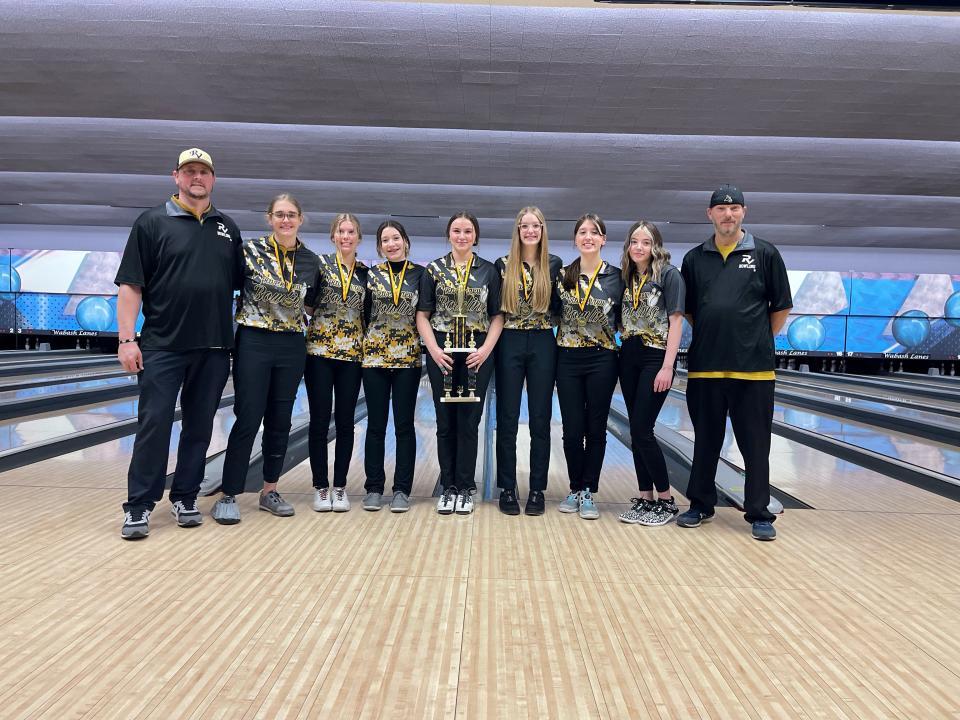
659	256
540	269
572	273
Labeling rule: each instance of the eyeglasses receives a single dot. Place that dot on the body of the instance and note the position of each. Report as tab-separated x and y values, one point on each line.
534	226
278	215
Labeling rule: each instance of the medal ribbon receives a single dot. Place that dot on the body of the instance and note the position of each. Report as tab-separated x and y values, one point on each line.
345	280
280	265
583	303
637	289
523	279
464	276
396	287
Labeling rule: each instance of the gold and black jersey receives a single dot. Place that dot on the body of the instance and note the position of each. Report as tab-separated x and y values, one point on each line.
648	305
336	328
526	318
391	339
590	311
275	283
440	293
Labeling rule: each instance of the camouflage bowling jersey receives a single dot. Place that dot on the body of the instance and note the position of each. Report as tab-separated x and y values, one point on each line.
656	302
526	318
391	339
596	324
438	294
275	285
336	328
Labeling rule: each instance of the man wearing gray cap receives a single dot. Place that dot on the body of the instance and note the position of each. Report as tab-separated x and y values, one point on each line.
180	263
738	297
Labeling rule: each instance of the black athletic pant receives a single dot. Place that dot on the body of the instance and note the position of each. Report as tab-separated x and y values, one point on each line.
380	386
750	404
458	424
326	379
586	378
202	375
267	369
639	366
530	355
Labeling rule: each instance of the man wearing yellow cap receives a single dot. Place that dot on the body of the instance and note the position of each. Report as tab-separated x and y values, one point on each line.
180	264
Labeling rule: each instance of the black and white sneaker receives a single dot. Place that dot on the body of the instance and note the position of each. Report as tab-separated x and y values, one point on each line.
465	502
186	513
448	501
136	524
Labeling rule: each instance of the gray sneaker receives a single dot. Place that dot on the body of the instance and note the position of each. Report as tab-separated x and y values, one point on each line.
571	503
226	511
372	501
136	524
186	513
400	502
588	509
276	505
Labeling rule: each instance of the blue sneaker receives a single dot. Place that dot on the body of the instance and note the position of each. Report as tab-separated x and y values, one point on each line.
764	530
693	518
588	509
571	503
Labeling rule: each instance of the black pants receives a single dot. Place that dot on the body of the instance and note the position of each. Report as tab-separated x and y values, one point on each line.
750	404
267	369
586	378
201	374
458	424
639	366
530	355
380	385
326	379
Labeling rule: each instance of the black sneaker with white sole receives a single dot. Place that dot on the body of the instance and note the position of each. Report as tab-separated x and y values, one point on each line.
136	524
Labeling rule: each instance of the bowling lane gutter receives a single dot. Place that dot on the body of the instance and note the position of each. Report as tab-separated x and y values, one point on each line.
678	450
945	432
909	404
69	399
916	387
9	369
35	452
921	477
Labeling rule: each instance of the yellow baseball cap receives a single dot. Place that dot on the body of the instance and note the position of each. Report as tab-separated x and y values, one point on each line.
195	155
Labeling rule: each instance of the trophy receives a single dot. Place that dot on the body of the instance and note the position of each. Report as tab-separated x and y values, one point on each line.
458	344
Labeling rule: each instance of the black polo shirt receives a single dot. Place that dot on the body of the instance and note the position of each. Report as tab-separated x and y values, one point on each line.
186	268
731	301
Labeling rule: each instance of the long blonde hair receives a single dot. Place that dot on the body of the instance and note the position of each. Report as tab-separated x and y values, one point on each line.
540	297
659	256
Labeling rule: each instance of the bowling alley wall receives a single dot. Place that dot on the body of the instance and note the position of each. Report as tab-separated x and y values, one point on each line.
835	314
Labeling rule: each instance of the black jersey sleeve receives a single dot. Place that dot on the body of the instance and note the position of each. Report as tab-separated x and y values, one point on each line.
427	300
136	265
690	287
778	283
493	294
674	292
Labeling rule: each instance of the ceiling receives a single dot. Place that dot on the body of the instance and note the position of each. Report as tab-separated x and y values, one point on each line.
841	127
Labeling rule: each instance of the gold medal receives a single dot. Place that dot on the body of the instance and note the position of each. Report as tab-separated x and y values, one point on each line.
396	287
637	289
281	265
345	279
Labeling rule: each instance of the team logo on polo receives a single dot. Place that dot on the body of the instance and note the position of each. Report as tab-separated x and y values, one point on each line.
223	232
747	262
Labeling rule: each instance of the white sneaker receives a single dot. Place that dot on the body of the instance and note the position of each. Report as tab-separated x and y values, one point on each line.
341	503
448	501
465	502
321	500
